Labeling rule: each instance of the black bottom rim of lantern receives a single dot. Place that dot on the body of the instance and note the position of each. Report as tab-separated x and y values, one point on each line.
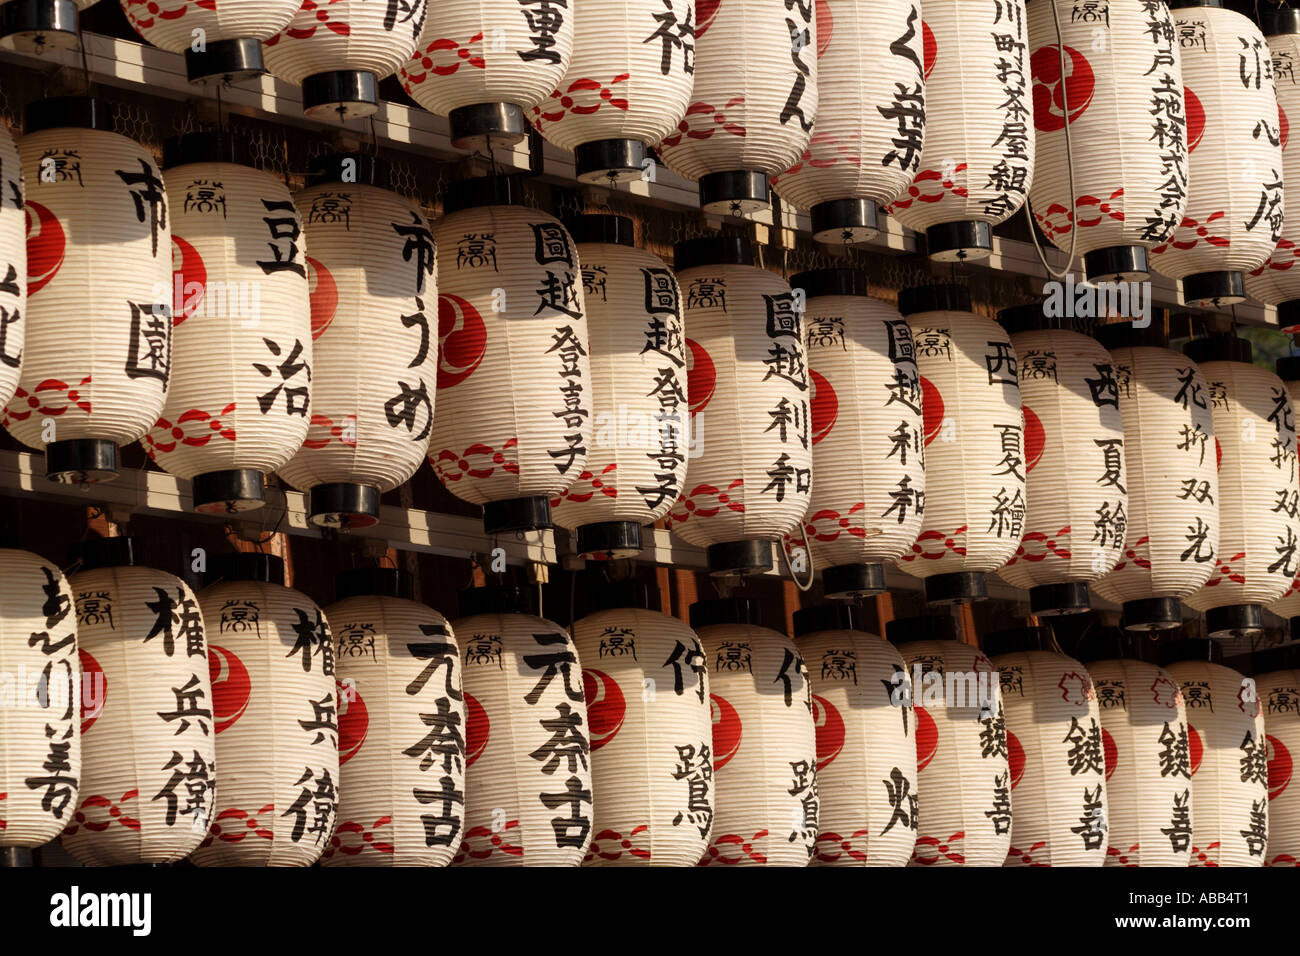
962	587
740	557
610	160
15	857
347	94
845	221
738	193
1117	264
228	492
1214	288
1234	620
227	61
517	514
853	580
1152	614
474	127
1053	599
34	26
343	505
959	241
1288	315
608	540
81	461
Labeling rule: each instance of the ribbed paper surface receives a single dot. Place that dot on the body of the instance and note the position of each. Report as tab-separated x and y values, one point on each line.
170	25
1279	692
345	35
13	265
1278	279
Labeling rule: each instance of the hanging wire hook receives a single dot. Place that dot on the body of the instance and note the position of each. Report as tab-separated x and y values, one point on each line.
785	559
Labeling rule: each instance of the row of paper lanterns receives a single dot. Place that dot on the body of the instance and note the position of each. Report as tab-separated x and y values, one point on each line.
245	725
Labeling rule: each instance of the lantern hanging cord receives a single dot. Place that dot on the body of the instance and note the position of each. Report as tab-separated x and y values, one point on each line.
1069	168
85	60
785	559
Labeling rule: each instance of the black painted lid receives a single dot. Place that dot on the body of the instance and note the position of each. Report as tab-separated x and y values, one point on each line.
946	297
604	595
819	282
828	617
494	599
120	552
1123	335
483	191
713	251
1279	21
205	146
1191	649
1013	639
246	566
923	627
367	168
1218	348
1031	318
68	112
1288	368
1181	4
601	227
1284	658
1114	644
725	611
374	582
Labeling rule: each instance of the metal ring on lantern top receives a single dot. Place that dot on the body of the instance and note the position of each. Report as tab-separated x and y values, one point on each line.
922	627
1191	649
352	168
91	554
374	582
610	161
737	193
716	611
828	617
1115	644
493	599
225	61
245	566
347	94
34	26
476	127
1012	639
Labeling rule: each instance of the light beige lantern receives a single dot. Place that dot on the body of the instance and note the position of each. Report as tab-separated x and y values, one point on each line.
1147	745
13	265
866	143
97	350
764	740
339	50
1173	484
974	505
39	26
1076	488
978	162
220	43
1234	213
239	402
750	401
637	464
650	725
1054	751
40	763
1255	439
275	709
1228	753
1121	96
866	407
484	64
1277	681
401	726
963	773
148	765
752	118
528	783
375	354
513	425
866	740
1288	605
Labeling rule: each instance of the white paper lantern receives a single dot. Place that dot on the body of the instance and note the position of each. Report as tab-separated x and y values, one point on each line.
148	772
1148	765
1228	753
866	407
275	707
513	427
650	720
1234	213
40	763
749	119
1277	680
528	783
241	387
1173	484
13	265
485	63
750	403
963	772
339	50
1288	605
1255	439
1075	483
401	726
226	36
1054	751
375	355
866	740
39	26
637	464
1122	98
764	740
978	162
866	143
97	349
974	504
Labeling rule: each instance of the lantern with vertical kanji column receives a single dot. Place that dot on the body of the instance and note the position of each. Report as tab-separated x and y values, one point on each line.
37	26
1277	682
1288	605
13	265
221	43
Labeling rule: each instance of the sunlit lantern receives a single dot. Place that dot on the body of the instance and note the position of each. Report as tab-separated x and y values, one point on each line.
401	726
1173	483
751	406
13	265
375	355
220	43
866	740
975	443
148	772
1288	605
275	714
1228	753
38	26
636	468
97	352
1277	681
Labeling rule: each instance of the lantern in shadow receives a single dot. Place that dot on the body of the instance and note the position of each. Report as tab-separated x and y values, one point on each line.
1277	681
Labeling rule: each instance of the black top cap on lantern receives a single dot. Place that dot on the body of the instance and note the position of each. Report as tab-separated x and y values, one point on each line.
363	169
483	191
204	146
1218	348
947	297
1032	318
1113	644
493	599
374	582
1279	21
68	112
601	227
1285	658
924	627
94	553
1126	335
724	611
713	251
246	566
1012	639
1184	4
604	595
1288	368
828	617
1191	649
820	282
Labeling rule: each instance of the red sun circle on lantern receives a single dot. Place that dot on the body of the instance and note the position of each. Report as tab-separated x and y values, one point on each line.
462	340
830	731
706	11
825	406
1279	766
1050	94
701	377
825	27
927	738
354	720
932	408
1110	750
726	731
477	728
1195	118
606	706
1035	439
189	280
324	293
98	687
929	48
1283	126
1195	749
232	688
1015	759
46	245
